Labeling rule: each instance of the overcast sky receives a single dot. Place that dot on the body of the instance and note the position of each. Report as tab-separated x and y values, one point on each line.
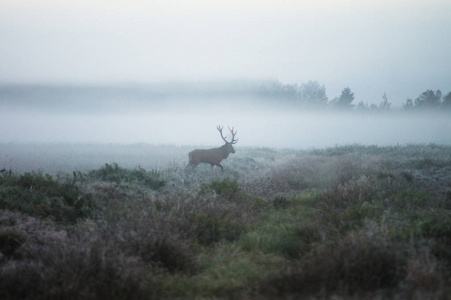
398	47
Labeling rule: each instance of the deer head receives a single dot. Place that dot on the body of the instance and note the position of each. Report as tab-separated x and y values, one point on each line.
228	145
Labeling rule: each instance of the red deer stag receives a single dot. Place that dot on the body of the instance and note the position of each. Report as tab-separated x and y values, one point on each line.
213	156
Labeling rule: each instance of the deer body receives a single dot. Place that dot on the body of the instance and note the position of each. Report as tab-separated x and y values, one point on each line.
212	156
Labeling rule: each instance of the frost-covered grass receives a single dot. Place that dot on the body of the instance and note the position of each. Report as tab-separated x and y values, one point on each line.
351	221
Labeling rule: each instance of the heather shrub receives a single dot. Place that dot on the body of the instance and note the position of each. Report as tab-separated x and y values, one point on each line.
350	149
309	236
285	228
426	275
435	227
227	187
10	241
154	243
346	222
356	264
300	174
435	224
41	195
281	202
309	172
114	173
74	272
87	263
290	242
348	206
210	229
281	242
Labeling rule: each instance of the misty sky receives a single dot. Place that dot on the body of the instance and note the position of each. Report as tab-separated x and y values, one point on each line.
398	47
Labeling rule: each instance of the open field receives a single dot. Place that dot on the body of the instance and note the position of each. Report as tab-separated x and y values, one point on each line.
128	221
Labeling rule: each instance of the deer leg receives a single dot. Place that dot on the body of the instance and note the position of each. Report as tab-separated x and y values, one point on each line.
192	165
219	165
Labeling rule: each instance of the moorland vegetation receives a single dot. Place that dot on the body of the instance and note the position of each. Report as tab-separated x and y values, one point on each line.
347	221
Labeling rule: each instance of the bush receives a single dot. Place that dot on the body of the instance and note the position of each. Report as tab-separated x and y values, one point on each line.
227	187
281	202
155	244
349	206
114	173
41	195
94	261
353	265
74	272
425	273
210	229
10	242
292	243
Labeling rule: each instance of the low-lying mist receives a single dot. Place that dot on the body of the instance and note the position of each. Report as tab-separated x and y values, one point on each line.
193	122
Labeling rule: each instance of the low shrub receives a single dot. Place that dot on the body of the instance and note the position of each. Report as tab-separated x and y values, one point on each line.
74	272
114	173
210	229
287	228
93	261
41	195
227	187
353	265
426	274
293	243
154	244
10	242
281	202
348	206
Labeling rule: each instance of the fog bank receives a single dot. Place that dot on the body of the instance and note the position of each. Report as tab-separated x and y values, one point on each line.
258	126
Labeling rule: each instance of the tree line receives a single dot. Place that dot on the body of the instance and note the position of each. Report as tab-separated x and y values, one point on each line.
313	94
307	95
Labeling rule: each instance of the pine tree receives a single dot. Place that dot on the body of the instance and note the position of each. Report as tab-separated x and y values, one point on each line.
345	99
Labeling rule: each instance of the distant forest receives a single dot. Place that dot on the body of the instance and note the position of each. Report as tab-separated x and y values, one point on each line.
305	95
312	94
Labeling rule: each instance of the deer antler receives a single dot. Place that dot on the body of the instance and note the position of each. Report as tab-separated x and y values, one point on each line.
234	141
220	131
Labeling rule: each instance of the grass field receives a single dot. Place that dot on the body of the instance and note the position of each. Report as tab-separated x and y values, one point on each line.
129	222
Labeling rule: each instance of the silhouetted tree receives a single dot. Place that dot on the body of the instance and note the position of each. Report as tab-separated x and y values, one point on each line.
408	105
447	101
345	99
361	106
312	93
384	105
429	99
278	90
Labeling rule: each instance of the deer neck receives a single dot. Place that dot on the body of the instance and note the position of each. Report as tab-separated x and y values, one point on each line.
224	151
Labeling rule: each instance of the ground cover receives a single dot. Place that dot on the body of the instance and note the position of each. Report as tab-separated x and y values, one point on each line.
348	221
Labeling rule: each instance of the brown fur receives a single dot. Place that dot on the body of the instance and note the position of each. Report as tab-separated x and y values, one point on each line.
210	156
213	156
